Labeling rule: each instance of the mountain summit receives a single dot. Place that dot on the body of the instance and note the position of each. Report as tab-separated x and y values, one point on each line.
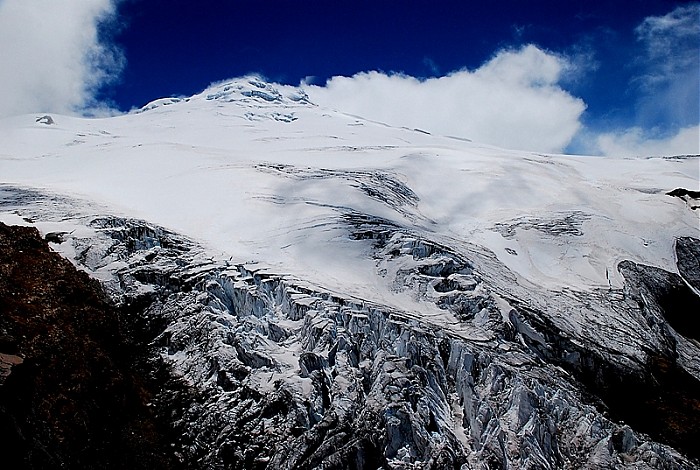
333	292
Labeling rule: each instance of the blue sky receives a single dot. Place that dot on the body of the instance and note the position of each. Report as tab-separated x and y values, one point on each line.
193	44
619	76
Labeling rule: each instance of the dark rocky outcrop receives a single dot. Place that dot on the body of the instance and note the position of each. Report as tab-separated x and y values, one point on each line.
691	197
45	119
74	388
688	260
664	294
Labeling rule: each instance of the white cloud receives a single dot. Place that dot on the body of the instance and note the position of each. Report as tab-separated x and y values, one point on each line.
667	108
671	42
512	101
636	142
51	56
670	81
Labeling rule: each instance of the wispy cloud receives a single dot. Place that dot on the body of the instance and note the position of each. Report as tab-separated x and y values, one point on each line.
519	98
432	67
638	142
670	78
667	111
52	58
671	44
513	100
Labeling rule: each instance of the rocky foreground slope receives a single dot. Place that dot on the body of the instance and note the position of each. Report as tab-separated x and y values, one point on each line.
267	371
75	384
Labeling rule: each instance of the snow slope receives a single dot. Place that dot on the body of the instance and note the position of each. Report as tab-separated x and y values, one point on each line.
258	173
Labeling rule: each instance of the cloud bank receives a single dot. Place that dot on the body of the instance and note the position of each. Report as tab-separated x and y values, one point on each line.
638	142
518	98
52	58
514	100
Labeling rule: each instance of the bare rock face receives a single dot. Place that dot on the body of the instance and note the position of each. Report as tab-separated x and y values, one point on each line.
688	256
46	119
272	372
689	196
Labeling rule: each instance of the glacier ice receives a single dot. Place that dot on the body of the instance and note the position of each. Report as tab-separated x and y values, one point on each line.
329	292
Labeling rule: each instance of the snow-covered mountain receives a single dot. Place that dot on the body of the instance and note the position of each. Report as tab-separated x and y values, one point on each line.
338	293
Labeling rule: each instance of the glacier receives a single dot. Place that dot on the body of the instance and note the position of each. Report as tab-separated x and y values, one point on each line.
331	292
